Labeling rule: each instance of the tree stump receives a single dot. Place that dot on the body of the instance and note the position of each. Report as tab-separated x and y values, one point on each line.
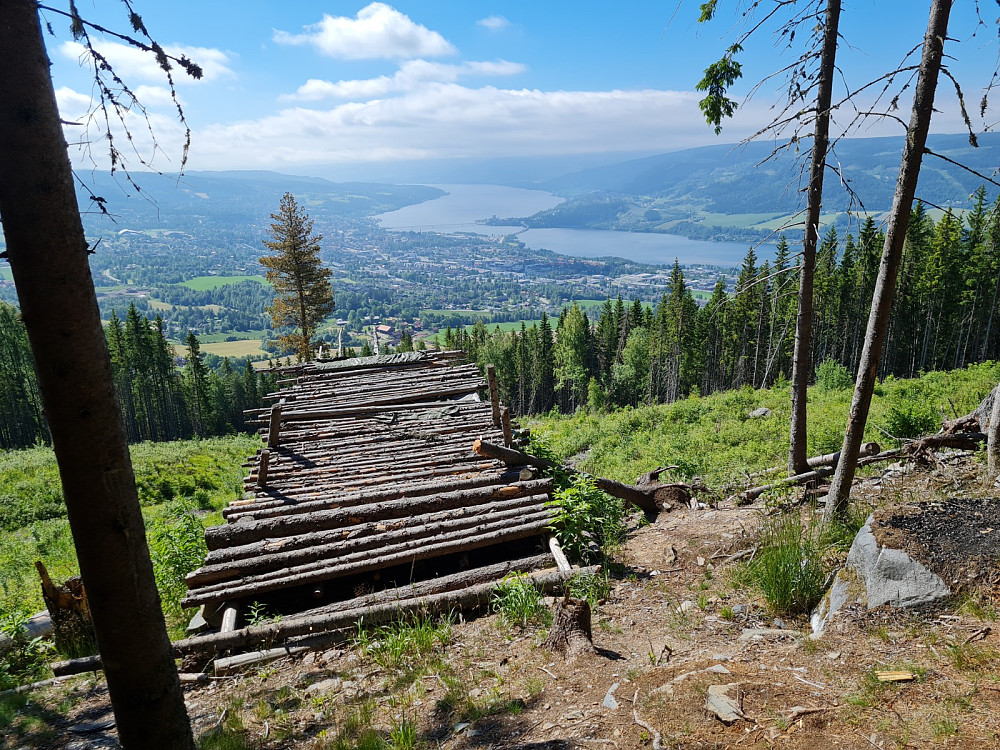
72	627
571	633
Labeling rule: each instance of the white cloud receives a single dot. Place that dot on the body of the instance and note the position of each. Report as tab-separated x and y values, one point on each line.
493	23
447	120
379	31
130	63
411	75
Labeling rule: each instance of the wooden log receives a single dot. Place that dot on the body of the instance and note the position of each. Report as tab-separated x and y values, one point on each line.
562	562
274	426
637	497
307	548
272	582
831	459
509	456
265	460
755	492
491	378
229	665
278	632
451	582
248	531
230	613
922	448
288	502
508	434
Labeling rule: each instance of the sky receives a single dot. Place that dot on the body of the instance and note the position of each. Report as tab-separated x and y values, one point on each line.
337	89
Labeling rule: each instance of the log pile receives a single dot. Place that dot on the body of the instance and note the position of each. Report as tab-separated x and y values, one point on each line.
367	465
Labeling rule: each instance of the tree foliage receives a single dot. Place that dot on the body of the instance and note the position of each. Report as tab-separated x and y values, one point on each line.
303	294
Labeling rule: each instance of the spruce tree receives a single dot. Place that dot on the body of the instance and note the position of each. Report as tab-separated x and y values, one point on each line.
303	294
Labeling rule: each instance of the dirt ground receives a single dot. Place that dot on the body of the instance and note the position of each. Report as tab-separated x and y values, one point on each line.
671	628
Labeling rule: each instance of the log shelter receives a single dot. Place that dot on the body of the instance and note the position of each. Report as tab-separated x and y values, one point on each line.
366	491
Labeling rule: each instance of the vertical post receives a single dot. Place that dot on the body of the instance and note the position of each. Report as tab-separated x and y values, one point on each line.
265	460
274	426
491	378
508	434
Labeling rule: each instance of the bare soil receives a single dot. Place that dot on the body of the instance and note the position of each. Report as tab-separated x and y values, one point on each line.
671	627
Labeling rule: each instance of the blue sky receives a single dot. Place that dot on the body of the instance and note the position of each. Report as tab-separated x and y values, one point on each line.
321	88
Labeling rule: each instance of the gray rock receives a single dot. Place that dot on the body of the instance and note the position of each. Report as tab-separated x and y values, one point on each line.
874	576
324	686
761	413
762	634
722	702
609	698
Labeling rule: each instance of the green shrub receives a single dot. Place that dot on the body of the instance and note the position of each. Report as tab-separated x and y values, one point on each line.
519	602
588	522
832	376
788	568
27	659
593	588
177	546
911	420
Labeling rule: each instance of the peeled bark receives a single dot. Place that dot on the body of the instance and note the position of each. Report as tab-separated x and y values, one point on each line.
892	251
48	257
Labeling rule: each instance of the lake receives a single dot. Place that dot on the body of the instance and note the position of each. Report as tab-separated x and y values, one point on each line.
458	211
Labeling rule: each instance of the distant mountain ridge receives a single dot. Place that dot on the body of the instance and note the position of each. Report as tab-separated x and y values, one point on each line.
727	179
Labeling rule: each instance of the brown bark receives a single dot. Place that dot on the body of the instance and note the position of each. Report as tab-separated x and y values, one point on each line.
248	531
69	611
277	632
571	632
878	319
48	257
802	355
921	450
394	555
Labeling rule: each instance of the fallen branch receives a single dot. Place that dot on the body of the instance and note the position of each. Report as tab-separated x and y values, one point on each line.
657	738
277	632
647	495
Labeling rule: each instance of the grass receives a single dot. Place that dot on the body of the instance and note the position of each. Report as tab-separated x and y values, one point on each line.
520	603
714	438
204	283
234	349
788	569
198	476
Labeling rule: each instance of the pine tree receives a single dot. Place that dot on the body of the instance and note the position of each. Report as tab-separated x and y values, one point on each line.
303	295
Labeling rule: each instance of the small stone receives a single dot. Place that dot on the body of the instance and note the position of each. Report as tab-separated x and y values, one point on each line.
460	726
721	657
574	715
700	560
779	623
718	669
738	609
609	698
761	413
685	607
548	725
309	658
833	655
722	703
324	686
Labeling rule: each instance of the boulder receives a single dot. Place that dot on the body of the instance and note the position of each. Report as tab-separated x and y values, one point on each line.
875	575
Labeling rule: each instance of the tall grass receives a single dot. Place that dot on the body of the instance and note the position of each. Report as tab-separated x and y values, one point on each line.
714	437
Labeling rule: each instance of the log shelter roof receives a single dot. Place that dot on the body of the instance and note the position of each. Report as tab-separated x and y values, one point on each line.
366	490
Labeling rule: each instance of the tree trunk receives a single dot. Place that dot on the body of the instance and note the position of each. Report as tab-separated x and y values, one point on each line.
48	258
801	360
878	318
993	438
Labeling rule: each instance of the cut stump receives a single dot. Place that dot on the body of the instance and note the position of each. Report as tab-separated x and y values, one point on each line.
571	631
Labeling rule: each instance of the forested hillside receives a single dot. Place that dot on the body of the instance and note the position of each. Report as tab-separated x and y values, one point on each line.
943	317
161	396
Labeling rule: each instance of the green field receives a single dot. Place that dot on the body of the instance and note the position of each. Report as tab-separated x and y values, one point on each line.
513	325
234	349
204	283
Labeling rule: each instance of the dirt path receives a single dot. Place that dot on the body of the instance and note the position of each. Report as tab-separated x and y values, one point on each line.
671	628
